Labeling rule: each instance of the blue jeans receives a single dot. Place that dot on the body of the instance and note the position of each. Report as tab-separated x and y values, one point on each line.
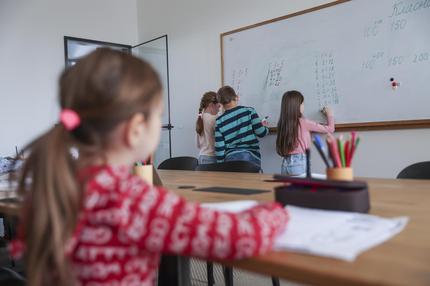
205	159
243	156
294	165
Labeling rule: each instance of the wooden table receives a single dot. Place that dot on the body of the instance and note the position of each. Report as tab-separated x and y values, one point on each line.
403	260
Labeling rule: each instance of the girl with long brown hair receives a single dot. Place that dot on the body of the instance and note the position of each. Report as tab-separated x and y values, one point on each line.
205	127
294	132
88	220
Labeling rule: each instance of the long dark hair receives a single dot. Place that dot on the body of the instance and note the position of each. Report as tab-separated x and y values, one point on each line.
207	98
104	88
288	124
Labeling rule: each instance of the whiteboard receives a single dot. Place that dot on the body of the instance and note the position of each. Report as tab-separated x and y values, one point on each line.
342	54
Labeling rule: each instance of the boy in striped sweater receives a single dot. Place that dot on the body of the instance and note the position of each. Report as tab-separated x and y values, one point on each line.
237	129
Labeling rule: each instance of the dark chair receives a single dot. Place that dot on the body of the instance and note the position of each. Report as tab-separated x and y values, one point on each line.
175	270
10	277
231	166
419	170
179	163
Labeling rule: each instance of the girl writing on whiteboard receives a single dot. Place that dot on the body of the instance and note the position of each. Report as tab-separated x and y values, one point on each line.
205	127
294	132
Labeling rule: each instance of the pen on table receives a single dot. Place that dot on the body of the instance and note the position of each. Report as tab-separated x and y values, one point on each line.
347	153
318	145
341	150
355	147
335	152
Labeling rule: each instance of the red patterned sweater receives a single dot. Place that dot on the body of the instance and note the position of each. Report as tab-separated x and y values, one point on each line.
126	225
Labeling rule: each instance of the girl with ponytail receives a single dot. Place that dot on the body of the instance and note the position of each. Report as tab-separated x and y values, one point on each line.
205	127
87	220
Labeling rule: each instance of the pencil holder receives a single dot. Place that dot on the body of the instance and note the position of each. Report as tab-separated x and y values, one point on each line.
144	172
340	174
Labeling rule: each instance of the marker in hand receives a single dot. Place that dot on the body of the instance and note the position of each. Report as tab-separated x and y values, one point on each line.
326	110
264	122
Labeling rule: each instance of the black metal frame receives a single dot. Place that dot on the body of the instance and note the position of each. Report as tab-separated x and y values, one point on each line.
169	125
90	41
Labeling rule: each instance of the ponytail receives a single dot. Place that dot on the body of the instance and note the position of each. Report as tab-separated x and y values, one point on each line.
51	209
207	98
199	122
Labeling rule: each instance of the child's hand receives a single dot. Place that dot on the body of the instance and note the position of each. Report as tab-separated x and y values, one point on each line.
264	122
327	111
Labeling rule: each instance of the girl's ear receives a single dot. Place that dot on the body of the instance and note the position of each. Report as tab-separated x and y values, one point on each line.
134	130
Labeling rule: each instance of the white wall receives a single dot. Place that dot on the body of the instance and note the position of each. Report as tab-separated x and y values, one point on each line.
32	56
194	28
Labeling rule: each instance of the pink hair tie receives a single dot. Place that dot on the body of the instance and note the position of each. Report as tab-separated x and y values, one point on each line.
200	114
70	119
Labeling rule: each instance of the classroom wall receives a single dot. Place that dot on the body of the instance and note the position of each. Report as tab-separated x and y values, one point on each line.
194	29
32	56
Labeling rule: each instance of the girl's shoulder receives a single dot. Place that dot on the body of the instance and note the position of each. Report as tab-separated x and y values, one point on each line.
209	117
249	108
304	120
110	186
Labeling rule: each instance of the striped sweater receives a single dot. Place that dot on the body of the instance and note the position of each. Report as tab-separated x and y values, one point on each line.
236	130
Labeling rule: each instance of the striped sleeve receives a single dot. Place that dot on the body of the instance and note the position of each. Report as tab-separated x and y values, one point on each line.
219	145
258	128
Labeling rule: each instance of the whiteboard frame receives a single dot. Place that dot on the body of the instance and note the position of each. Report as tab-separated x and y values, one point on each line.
377	125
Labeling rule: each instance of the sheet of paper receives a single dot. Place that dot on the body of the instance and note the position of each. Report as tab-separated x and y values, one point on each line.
6	185
231	206
335	234
314	175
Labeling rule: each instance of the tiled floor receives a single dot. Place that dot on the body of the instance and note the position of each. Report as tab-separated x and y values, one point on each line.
241	277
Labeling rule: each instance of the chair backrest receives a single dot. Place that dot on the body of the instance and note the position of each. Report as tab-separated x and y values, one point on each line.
419	170
11	278
230	166
179	163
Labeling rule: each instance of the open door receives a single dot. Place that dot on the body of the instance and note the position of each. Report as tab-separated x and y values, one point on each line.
155	52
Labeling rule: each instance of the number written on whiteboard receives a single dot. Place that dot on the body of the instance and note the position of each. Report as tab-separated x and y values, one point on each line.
422	57
395	61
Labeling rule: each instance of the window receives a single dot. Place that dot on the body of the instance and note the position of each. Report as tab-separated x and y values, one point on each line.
76	48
